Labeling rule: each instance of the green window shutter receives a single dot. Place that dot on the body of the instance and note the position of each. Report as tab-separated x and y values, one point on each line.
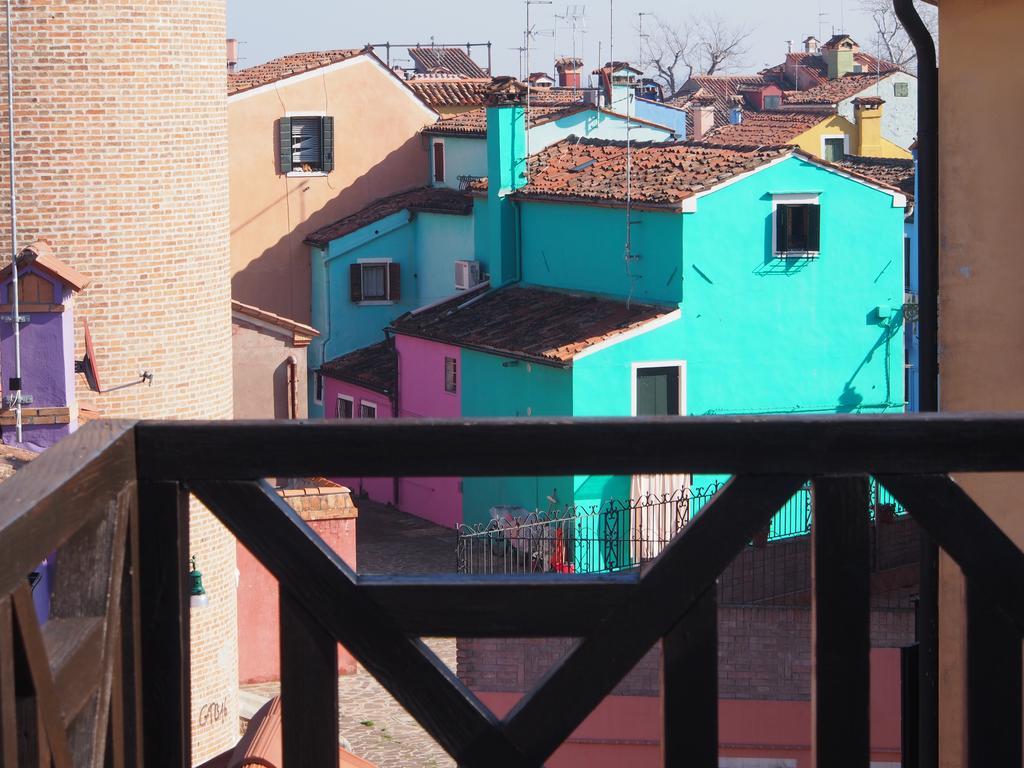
394	281
814	228
782	227
284	141
327	144
355	272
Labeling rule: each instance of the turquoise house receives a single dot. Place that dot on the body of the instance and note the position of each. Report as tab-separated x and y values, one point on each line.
660	279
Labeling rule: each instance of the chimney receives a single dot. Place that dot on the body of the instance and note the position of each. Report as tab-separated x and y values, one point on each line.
736	111
506	172
868	114
838	54
570	72
232	54
702	117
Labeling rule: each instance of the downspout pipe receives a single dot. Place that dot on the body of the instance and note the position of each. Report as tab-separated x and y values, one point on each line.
927	205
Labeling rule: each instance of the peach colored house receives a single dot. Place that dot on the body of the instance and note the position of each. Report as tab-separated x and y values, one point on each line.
313	137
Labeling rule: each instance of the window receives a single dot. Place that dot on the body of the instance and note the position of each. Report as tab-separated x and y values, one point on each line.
318	387
439	161
772	102
797	226
835	148
306	144
368	410
901	89
375	281
657	391
450	375
343	408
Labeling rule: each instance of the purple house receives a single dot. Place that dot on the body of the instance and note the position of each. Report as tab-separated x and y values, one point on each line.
46	288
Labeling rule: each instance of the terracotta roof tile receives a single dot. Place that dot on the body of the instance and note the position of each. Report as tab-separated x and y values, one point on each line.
373	367
284	323
425	199
832	91
40	254
453	60
888	171
286	66
540	324
473	123
769	128
663	174
719	89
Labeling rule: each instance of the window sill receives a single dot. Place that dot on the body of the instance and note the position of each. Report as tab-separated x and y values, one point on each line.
375	303
305	174
797	254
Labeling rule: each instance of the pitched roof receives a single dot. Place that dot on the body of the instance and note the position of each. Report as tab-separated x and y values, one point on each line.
301	333
425	199
834	91
812	67
663	174
540	324
286	66
454	60
374	367
473	123
888	171
40	254
465	92
769	128
720	89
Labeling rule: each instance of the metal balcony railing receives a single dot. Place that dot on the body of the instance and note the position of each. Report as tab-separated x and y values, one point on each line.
106	678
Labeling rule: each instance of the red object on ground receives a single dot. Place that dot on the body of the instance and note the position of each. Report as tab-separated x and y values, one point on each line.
558	561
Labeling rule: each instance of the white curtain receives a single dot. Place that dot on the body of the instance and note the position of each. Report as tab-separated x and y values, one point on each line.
652	524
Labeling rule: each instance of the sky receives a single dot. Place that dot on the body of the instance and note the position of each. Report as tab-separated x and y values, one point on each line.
267	28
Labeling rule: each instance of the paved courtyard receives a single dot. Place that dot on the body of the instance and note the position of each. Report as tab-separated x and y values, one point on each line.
379	730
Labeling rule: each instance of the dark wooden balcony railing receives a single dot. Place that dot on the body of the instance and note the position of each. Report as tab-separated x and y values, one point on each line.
105	680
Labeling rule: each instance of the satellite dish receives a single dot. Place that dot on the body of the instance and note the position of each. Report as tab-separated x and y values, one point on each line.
87	365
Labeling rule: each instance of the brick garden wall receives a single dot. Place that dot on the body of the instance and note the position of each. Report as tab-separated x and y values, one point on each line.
121	142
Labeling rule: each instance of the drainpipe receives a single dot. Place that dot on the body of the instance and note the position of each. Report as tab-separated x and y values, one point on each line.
928	305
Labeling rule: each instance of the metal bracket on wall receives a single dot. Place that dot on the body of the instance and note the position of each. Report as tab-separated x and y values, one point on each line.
22	319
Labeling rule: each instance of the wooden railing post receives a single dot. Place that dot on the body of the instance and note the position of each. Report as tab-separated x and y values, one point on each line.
309	688
689	687
164	623
993	683
840	616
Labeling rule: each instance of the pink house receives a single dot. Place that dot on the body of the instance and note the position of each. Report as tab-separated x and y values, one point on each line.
386	378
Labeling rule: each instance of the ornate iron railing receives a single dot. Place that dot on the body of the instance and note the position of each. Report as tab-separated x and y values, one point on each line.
117	494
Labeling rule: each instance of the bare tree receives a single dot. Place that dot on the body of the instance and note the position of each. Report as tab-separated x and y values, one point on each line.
891	42
701	45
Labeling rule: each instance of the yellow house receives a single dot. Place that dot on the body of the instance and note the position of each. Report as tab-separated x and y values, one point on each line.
819	132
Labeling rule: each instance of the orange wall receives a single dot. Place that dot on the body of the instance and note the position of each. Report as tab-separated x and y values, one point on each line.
626	730
378	151
259	659
260	362
981	281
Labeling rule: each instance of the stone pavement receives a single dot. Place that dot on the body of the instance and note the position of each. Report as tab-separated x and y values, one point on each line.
378	729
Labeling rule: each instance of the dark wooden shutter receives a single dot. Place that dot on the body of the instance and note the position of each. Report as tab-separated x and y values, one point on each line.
284	141
783	214
327	144
438	161
813	227
355	273
394	281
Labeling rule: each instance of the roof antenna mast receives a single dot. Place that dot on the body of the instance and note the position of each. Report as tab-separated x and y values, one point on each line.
15	388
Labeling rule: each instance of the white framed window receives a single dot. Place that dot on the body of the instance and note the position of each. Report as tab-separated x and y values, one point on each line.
306	144
834	146
796	225
375	281
367	410
451	375
343	407
437	161
318	387
659	388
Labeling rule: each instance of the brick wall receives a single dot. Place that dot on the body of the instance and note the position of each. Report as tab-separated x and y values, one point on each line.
121	141
764	653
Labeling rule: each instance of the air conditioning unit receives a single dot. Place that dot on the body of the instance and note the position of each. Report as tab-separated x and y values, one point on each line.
467	274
